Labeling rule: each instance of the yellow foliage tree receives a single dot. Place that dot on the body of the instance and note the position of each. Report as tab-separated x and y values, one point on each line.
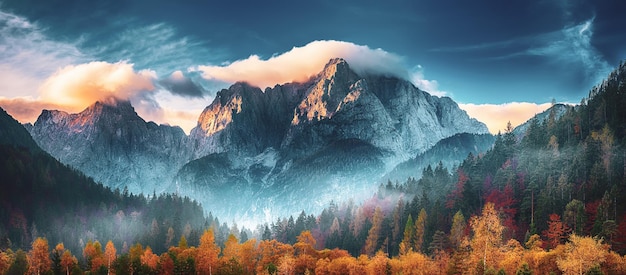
581	254
487	239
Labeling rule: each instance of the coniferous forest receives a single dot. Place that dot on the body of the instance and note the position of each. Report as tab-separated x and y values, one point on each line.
551	200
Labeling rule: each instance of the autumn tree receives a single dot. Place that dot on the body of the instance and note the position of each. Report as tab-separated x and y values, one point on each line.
208	251
68	261
581	254
93	255
556	232
249	256
231	248
110	253
379	264
149	259
371	243
420	228
457	231
5	261
306	255
39	259
487	229
270	253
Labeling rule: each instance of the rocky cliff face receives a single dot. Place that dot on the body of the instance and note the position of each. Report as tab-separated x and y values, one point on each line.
255	154
111	143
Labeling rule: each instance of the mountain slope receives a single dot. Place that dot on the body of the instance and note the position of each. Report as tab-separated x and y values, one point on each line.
111	143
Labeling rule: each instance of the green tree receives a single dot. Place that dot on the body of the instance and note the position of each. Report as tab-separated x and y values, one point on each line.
20	264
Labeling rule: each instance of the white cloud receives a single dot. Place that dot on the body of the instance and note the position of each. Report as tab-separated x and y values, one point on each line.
28	56
496	116
301	63
572	47
430	86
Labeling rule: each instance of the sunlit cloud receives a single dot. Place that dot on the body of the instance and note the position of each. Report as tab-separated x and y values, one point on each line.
81	85
496	116
26	109
301	63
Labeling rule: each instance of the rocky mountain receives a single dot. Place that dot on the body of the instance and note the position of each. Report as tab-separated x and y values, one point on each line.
111	143
289	148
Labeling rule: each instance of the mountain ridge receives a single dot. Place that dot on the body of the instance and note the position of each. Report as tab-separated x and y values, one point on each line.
261	140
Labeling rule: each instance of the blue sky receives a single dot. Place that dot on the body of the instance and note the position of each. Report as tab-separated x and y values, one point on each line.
500	58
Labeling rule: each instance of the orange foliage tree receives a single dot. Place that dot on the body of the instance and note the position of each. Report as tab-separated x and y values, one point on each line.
208	252
39	256
149	259
110	254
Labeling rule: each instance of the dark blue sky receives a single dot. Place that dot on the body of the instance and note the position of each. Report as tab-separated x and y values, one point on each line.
477	51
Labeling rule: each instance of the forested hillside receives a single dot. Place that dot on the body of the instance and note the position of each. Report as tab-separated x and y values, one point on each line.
40	197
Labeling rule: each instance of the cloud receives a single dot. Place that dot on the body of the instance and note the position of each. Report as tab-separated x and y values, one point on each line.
78	86
75	87
157	46
28	56
179	84
496	116
431	86
572	48
301	63
26	109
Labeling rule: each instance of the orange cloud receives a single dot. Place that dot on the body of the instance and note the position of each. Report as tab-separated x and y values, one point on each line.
81	85
496	116
25	109
301	63
75	87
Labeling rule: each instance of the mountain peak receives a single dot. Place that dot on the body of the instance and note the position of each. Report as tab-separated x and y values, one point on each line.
335	66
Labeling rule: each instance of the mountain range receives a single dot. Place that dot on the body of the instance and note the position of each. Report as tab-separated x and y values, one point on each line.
281	150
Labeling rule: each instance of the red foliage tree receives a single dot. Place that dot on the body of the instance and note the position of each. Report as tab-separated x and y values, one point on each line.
457	194
557	231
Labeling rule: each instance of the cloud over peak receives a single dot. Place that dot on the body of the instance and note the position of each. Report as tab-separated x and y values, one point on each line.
301	63
77	86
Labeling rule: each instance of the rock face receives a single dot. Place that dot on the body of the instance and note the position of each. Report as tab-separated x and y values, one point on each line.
289	148
111	143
